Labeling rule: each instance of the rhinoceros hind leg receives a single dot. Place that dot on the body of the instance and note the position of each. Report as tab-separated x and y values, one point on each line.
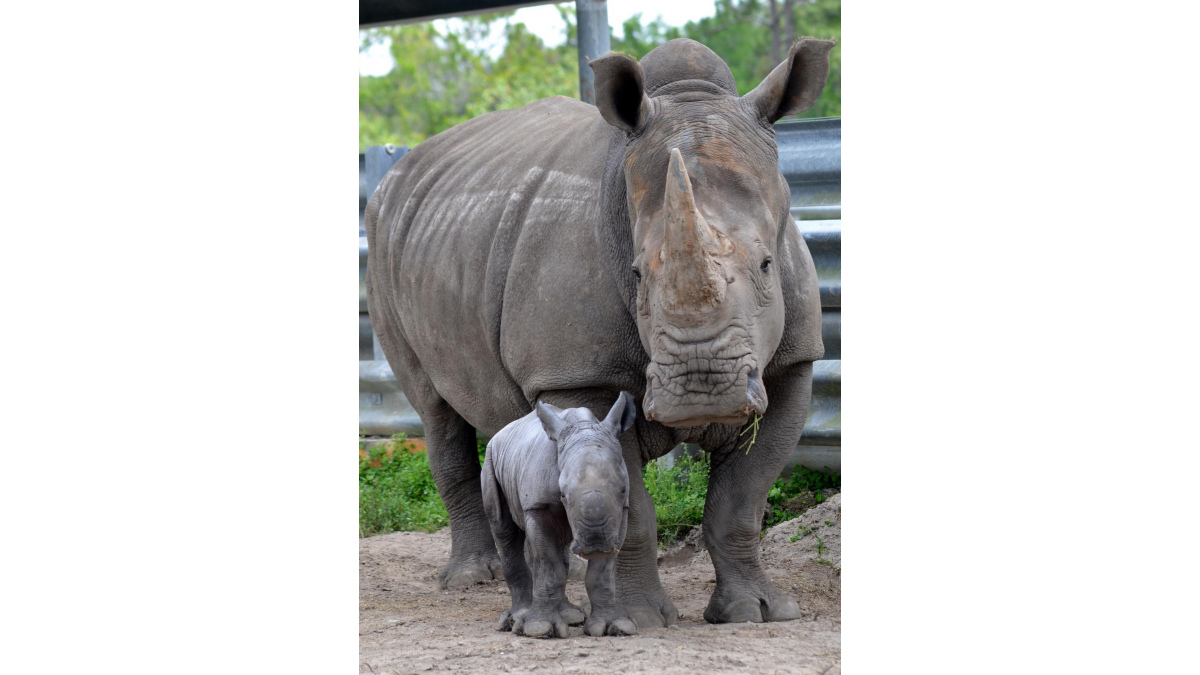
454	461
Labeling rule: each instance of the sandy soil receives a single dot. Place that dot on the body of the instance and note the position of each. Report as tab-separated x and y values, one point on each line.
408	626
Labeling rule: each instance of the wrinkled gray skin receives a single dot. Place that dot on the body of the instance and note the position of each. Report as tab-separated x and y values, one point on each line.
552	478
565	252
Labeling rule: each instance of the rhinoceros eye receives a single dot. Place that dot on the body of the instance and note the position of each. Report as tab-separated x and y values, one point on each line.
766	264
637	274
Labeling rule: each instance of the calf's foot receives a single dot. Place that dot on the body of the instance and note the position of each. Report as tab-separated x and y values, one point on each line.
572	614
539	623
509	617
610	622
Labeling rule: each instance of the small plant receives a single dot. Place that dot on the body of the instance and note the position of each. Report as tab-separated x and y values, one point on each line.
396	491
828	524
678	493
820	546
801	481
823	561
801	533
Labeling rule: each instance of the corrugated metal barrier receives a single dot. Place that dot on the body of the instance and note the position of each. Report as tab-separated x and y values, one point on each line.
810	157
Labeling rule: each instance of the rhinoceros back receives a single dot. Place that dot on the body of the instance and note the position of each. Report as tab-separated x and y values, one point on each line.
485	275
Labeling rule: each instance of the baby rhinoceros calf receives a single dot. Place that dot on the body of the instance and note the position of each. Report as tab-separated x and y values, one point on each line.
553	477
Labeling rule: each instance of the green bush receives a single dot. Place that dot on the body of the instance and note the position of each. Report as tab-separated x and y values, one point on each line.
396	491
678	494
801	480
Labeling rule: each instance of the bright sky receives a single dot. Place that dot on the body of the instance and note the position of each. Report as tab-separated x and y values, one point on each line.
545	22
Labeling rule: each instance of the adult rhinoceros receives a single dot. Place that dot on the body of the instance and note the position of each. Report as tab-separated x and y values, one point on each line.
565	252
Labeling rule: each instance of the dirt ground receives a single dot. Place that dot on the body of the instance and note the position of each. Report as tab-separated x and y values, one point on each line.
406	625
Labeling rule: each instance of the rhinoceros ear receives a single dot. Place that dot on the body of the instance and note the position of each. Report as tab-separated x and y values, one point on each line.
551	422
620	95
623	413
796	84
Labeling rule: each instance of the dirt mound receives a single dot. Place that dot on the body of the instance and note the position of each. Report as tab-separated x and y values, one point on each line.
814	535
406	625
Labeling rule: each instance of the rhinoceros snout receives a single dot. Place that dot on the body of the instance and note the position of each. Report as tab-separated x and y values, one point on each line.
596	552
593	507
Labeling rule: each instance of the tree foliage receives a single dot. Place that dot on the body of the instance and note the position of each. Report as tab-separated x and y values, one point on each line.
444	76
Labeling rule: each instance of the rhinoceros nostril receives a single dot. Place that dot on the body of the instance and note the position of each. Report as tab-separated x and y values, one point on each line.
756	393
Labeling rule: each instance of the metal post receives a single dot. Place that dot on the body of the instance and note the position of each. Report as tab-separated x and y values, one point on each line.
373	165
592	37
378	160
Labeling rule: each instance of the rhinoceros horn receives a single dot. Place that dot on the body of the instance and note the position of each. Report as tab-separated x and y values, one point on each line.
693	276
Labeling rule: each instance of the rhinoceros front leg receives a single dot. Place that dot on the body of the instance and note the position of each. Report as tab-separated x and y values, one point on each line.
639	590
607	616
549	613
454	462
737	493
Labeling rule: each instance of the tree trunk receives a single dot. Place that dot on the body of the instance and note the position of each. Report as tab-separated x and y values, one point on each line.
776	56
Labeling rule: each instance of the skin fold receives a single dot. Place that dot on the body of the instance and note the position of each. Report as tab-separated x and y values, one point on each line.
564	253
554	483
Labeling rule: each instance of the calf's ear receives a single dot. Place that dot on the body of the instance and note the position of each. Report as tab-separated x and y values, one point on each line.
620	95
796	84
623	413
551	422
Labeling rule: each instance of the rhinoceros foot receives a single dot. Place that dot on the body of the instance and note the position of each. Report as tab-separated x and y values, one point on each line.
572	614
740	603
650	609
509	618
537	623
469	570
612	622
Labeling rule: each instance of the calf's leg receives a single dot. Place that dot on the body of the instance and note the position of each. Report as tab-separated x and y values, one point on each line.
544	539
511	540
607	617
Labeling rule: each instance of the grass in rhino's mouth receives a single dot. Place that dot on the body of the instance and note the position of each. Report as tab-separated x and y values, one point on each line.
753	425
